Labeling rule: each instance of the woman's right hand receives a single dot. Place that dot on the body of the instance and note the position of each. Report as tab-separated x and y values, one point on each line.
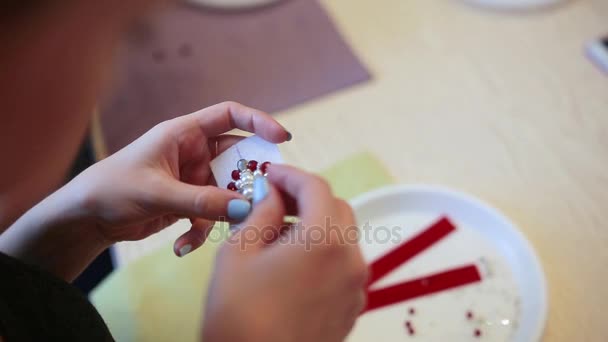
305	283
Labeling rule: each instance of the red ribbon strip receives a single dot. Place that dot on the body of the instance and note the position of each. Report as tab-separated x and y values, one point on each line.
421	287
409	249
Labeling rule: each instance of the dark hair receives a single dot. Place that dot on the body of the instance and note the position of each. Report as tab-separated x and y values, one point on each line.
10	7
13	9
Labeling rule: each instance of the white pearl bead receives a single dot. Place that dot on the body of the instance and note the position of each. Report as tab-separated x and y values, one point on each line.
239	184
257	173
248	192
247	177
242	165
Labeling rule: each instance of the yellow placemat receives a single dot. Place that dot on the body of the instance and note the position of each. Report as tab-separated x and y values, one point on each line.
160	297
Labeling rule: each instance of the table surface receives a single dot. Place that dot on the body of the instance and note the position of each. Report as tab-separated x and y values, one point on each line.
503	106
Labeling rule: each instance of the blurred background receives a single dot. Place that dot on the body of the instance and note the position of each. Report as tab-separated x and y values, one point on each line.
496	98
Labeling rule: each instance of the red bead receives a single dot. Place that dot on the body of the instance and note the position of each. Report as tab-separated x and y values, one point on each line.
410	328
236	175
252	165
477	333
264	167
232	186
469	315
412	311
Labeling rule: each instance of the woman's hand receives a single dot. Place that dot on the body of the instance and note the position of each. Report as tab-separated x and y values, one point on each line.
165	175
161	177
305	283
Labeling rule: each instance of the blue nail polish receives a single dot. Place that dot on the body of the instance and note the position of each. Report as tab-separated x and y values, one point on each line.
260	189
185	250
238	209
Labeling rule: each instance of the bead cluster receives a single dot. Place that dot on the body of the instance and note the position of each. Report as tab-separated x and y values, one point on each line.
246	171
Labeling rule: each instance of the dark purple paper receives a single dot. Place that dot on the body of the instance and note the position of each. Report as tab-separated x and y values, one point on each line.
190	58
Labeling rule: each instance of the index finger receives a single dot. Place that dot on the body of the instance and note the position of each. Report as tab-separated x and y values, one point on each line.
226	116
312	194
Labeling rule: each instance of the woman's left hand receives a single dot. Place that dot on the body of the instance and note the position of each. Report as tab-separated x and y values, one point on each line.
145	187
165	175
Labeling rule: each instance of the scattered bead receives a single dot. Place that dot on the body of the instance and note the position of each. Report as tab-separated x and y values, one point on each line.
232	186
264	167
185	50
159	56
410	328
477	333
236	175
469	315
252	165
412	311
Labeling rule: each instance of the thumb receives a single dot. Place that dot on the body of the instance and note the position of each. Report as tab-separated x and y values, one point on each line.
264	224
206	202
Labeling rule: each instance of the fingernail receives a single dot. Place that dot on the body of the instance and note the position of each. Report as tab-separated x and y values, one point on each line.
235	227
185	250
260	189
238	209
289	136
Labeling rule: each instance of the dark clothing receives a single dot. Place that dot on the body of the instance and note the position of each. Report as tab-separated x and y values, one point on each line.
37	306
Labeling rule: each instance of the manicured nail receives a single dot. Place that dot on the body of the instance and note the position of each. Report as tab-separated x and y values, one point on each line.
185	250
289	136
238	209
235	227
260	189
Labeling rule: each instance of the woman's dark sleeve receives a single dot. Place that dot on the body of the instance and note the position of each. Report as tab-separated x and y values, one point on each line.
37	306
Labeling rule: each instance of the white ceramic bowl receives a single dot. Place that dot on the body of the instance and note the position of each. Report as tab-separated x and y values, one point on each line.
515	4
395	205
